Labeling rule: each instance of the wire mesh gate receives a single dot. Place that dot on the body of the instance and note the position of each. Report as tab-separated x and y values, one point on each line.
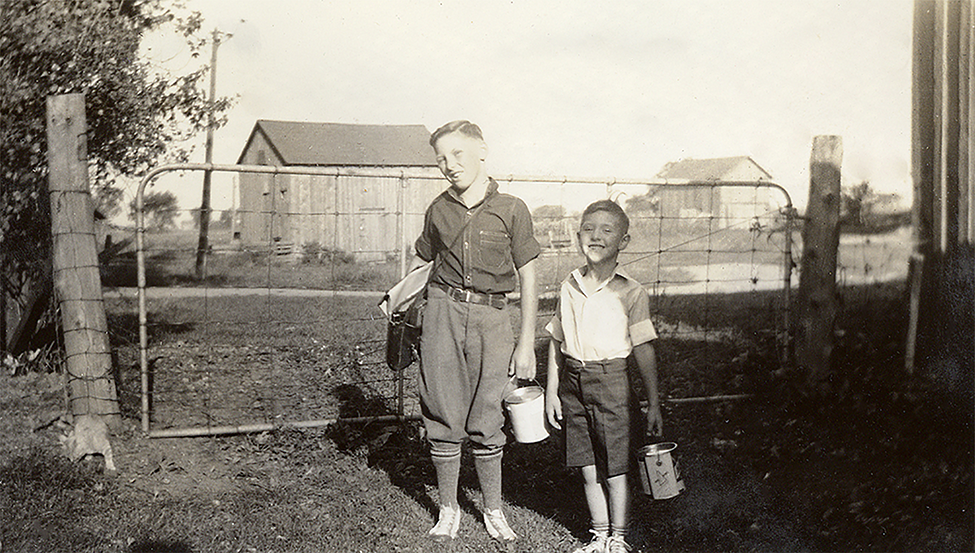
303	353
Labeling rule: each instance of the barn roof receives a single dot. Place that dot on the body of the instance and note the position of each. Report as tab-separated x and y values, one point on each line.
706	169
325	144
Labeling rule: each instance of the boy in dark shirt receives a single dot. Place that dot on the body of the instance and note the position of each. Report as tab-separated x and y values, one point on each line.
468	348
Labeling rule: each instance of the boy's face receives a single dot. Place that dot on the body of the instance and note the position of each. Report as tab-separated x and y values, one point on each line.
461	159
601	237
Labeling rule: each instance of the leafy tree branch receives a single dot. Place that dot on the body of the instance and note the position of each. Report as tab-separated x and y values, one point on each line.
137	117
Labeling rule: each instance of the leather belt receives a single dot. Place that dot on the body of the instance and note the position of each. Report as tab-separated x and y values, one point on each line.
604	365
497	301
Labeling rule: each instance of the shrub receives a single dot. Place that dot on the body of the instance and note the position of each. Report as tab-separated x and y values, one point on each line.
313	252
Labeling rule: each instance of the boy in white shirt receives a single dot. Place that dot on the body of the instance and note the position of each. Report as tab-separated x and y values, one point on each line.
603	316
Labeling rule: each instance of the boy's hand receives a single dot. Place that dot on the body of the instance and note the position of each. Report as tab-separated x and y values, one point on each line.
523	361
553	409
655	422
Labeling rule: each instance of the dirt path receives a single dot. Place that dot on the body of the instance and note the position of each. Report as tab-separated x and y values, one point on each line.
194	292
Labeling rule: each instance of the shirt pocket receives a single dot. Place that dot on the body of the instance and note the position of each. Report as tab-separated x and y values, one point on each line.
494	249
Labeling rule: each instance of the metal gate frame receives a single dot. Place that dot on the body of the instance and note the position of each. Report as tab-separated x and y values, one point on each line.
404	176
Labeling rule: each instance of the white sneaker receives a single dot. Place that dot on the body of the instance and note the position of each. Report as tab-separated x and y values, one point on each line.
617	544
447	525
497	526
597	545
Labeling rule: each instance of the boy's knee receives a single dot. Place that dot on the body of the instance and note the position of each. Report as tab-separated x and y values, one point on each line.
486	450
444	449
589	473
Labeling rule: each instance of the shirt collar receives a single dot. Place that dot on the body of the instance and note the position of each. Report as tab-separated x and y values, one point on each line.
492	188
581	271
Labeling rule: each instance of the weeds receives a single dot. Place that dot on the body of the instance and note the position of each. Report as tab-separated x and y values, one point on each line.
46	359
313	252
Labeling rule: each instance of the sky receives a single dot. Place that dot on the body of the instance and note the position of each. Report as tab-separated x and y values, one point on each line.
611	89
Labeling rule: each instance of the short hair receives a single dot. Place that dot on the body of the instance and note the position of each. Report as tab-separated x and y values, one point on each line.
610	207
465	128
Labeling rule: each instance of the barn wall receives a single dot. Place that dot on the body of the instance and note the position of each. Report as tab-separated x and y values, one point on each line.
367	217
351	213
420	192
675	201
256	201
729	205
740	204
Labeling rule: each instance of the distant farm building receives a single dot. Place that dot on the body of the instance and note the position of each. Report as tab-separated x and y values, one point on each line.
727	206
368	216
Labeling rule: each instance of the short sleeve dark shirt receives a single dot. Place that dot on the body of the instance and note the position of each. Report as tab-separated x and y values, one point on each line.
497	241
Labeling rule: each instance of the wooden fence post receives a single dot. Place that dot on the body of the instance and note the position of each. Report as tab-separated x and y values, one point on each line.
88	360
817	300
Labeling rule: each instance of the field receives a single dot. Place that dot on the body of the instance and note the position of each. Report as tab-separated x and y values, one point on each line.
884	462
671	256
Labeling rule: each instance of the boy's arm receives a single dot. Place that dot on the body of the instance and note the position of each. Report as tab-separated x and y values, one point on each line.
553	405
523	361
646	360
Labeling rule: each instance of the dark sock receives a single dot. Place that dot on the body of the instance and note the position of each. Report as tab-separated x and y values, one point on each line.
487	462
446	461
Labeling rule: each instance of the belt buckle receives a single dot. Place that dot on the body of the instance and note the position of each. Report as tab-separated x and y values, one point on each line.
468	296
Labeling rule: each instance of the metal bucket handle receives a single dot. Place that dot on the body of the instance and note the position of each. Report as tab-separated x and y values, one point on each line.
514	384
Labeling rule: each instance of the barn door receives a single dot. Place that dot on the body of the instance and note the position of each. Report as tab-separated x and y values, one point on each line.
371	236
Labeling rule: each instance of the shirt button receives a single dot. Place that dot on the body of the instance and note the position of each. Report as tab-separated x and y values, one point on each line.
466	244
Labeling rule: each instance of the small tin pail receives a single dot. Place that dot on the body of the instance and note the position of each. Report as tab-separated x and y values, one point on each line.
526	410
658	471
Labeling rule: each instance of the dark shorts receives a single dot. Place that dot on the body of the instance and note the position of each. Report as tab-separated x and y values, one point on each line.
596	414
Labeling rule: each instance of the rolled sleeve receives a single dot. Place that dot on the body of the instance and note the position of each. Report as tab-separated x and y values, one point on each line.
640	326
524	247
424	244
642	332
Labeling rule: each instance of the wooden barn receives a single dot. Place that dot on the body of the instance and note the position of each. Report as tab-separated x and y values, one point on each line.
355	211
729	206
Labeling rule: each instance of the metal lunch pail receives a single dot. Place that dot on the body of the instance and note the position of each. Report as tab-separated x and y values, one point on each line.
659	473
526	410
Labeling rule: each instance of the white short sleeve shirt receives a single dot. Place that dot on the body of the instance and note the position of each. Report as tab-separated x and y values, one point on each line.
603	323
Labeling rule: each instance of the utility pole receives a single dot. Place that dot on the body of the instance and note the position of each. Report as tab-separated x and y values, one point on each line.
203	246
233	208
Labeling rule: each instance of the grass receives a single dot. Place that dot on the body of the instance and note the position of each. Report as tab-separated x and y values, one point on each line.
171	261
884	463
258	358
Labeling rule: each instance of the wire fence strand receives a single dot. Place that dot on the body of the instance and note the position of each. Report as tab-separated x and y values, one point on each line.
284	329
